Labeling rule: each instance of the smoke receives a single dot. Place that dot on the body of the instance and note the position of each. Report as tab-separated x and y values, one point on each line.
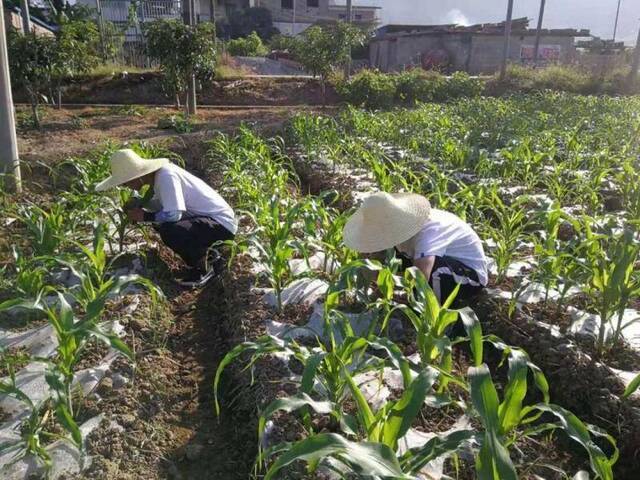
456	16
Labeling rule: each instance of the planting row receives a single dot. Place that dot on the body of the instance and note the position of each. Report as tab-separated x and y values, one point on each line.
371	368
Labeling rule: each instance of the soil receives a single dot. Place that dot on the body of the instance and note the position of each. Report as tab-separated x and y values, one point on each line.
147	89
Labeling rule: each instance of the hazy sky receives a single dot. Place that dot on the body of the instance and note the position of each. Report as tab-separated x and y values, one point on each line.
597	15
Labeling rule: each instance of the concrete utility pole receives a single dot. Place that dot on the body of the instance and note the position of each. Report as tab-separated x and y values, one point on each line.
633	76
536	49
347	67
293	23
615	27
507	40
190	19
26	17
9	161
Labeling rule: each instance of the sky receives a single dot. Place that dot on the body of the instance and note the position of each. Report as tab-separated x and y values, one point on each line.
596	15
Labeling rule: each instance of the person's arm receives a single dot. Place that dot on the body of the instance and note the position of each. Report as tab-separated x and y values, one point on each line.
425	265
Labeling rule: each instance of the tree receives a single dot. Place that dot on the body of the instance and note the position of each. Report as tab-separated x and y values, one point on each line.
255	19
321	49
182	51
78	51
39	64
32	66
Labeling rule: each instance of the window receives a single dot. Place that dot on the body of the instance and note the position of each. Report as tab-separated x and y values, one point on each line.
313	3
358	17
286	4
342	16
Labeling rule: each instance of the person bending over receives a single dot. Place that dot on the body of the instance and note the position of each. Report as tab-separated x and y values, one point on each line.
189	215
445	248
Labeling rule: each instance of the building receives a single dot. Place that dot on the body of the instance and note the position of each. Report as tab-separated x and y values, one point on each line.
289	16
294	16
476	49
13	19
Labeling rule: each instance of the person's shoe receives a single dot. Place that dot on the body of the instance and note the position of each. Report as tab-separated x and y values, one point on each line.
194	278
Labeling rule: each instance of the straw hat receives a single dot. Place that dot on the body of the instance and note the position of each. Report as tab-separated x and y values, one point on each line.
385	220
127	165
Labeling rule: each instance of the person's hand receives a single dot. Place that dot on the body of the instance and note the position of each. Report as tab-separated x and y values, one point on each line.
135	214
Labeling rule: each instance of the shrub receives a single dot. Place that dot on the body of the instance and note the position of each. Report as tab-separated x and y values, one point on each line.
417	85
554	77
250	46
372	89
369	89
460	84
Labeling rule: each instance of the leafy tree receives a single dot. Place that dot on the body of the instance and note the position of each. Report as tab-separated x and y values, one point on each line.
32	66
255	19
78	44
182	51
250	46
321	49
39	64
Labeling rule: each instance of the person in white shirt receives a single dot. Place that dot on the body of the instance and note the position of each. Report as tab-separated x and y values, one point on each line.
444	247
190	216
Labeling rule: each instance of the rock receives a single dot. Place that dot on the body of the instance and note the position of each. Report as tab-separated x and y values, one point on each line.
106	385
193	452
128	419
119	381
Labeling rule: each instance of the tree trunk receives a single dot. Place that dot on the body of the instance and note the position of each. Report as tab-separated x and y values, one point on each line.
34	111
59	100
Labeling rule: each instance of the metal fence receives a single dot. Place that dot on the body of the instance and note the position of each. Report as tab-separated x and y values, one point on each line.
121	23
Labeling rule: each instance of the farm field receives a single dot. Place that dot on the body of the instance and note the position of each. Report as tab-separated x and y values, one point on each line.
294	363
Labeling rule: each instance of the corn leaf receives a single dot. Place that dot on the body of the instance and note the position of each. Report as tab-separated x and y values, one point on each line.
493	462
365	458
578	431
404	411
417	458
632	387
474	331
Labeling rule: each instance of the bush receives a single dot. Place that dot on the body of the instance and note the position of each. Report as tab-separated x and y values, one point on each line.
417	85
372	89
554	77
250	46
283	42
369	89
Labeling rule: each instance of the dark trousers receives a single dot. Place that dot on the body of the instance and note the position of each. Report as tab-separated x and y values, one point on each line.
446	274
191	238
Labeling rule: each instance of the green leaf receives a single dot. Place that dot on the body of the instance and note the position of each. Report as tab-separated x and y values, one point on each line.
291	404
366	458
404	411
417	458
578	431
515	391
632	387
67	421
493	462
474	331
365	414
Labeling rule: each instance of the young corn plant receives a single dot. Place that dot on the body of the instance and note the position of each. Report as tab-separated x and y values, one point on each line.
612	280
92	269
32	439
47	229
73	334
274	239
510	223
553	263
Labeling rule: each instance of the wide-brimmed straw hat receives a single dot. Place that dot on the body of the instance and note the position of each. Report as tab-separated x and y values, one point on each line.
127	165
385	220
